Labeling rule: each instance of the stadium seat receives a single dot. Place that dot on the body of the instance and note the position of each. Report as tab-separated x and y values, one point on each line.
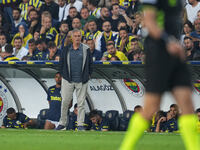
100	112
124	120
112	116
42	116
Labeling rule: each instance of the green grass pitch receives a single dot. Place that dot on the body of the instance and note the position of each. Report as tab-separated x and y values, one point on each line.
11	139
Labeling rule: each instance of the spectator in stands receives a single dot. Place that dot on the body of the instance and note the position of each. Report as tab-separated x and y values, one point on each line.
137	26
54	99
112	51
135	6
85	17
192	8
124	41
23	33
73	13
73	58
17	19
62	10
54	22
16	120
189	47
51	7
94	9
93	32
96	55
137	55
196	33
53	51
3	40
4	24
47	31
7	54
187	29
116	16
198	114
26	5
36	35
19	50
106	35
60	37
105	15
32	49
68	39
138	108
73	124
135	45
98	122
123	24
7	6
42	52
76	24
73	3
33	21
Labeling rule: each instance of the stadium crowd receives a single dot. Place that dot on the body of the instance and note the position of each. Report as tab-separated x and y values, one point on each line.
39	29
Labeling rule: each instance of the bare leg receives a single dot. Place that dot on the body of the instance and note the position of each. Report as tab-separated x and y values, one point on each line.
151	105
183	96
48	125
140	122
188	121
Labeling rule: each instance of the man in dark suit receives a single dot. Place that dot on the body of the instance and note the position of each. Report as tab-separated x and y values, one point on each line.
76	69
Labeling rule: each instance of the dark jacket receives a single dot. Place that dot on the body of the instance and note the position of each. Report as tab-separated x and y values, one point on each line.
53	8
64	64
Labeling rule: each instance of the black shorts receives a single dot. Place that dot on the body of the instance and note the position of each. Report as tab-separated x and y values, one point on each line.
163	71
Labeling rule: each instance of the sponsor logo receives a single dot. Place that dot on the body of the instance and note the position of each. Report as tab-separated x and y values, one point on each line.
99	85
103	87
197	86
134	87
3	102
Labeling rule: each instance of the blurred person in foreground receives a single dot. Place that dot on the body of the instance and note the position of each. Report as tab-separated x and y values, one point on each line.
165	70
198	115
112	51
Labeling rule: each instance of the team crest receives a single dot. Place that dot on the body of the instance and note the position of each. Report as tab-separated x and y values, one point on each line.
197	86
3	102
134	87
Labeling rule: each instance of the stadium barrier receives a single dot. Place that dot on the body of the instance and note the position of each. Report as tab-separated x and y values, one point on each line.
114	86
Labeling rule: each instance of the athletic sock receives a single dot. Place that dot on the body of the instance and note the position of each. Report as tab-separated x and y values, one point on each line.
136	128
188	129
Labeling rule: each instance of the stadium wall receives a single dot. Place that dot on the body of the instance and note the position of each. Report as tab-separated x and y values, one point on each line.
114	86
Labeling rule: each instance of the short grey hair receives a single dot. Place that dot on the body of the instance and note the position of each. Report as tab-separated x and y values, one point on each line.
76	30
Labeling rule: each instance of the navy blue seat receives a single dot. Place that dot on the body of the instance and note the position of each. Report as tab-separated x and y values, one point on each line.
112	116
42	116
124	120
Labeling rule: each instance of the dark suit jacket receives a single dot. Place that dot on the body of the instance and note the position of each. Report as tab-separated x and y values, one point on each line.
64	63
